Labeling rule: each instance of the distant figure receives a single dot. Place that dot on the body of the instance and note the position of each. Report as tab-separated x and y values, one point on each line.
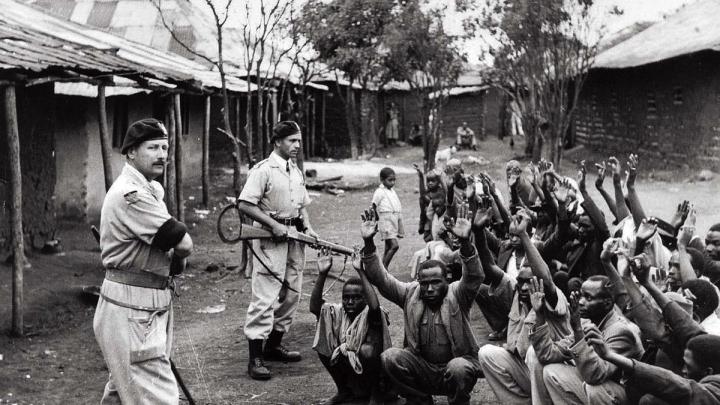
516	128
443	155
466	137
415	138
389	209
391	128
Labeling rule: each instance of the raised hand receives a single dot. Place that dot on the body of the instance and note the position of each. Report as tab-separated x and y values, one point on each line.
601	167
680	214
324	261
594	338
461	226
563	191
417	168
519	224
610	248
640	266
614	166
688	229
632	169
356	259
581	176
483	215
369	226
575	310
489	183
647	229
534	173
537	294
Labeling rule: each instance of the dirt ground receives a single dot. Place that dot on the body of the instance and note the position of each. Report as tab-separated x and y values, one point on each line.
58	361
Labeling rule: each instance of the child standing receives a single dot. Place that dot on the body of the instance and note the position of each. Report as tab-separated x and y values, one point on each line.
387	204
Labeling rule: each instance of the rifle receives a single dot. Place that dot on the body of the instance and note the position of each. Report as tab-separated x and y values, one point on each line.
231	228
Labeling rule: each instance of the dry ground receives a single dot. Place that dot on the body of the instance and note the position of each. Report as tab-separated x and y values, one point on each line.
58	362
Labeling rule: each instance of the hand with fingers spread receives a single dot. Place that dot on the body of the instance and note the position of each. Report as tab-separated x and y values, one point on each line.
683	209
324	261
687	231
646	230
601	168
488	181
563	191
369	226
534	173
614	166
537	295
461	226
484	213
632	170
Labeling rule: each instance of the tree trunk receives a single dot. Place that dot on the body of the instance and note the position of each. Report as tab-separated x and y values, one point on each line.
350	118
179	159
322	122
206	154
313	131
248	128
170	177
105	148
16	233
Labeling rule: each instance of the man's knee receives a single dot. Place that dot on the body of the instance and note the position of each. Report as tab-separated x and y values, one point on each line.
392	244
608	393
459	368
553	374
489	352
391	358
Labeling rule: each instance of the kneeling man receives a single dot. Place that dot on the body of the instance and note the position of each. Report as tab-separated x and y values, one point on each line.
350	336
440	354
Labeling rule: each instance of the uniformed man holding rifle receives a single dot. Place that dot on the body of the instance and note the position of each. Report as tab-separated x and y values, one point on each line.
275	198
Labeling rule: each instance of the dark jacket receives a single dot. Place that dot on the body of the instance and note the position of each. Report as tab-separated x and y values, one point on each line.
672	388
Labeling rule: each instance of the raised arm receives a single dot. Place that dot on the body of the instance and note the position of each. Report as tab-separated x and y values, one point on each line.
622	210
539	268
601	168
472	274
492	190
493	273
620	294
591	208
683	239
633	199
324	264
389	287
368	290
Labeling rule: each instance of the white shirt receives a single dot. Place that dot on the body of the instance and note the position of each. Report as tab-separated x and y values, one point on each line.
386	200
513	266
711	324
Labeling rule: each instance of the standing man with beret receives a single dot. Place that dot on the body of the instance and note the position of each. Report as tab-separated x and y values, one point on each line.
133	321
275	198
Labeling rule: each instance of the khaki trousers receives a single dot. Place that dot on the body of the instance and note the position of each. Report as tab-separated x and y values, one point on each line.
273	306
567	387
514	380
136	346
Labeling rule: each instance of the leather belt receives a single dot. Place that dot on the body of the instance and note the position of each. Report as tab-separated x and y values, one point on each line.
138	278
288	221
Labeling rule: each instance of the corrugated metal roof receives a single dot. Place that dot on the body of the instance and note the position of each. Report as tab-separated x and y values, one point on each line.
89	90
33	40
692	28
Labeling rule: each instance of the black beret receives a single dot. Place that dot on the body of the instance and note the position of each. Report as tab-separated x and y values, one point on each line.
143	130
284	129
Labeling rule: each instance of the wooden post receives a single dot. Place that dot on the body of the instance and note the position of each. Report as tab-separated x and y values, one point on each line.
18	246
105	147
322	121
179	159
206	153
313	121
170	193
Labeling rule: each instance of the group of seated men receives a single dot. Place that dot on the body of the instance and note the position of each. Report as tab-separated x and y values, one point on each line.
591	312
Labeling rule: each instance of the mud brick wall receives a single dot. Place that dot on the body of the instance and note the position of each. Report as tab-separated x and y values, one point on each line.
37	156
463	108
668	112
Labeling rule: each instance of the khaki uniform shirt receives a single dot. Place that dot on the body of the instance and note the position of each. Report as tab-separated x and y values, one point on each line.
131	215
276	186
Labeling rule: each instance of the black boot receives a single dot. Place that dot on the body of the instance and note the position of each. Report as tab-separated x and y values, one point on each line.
256	365
274	350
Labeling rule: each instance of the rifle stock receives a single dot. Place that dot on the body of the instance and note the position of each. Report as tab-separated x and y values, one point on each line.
250	232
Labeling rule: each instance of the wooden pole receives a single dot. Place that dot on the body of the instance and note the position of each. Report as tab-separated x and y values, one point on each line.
170	193
322	121
18	248
206	153
313	133
105	148
179	159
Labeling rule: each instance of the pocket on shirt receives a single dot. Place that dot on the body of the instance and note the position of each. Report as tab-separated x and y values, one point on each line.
148	335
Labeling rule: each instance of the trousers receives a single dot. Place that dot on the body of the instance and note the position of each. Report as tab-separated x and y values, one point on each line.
136	346
273	305
415	376
567	387
514	380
